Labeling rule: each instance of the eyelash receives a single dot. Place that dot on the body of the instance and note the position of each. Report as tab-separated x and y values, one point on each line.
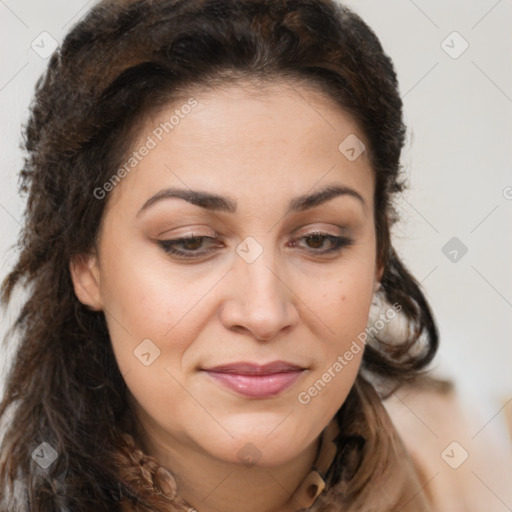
168	246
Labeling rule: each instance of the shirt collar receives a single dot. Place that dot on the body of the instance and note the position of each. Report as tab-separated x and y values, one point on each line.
314	484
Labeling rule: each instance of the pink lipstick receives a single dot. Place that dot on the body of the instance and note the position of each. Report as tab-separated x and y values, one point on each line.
256	381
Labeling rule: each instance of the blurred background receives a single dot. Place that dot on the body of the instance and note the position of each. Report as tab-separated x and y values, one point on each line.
455	232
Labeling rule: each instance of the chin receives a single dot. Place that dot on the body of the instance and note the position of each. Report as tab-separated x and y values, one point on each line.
270	445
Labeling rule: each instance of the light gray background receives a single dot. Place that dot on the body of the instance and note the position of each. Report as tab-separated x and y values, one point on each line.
459	114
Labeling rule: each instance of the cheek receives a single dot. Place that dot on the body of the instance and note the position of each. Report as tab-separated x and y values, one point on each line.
342	294
152	323
339	358
342	303
141	290
342	307
143	305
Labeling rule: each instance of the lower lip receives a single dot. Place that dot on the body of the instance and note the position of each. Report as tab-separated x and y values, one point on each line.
257	386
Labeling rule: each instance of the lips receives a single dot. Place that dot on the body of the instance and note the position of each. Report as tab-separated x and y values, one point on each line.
245	368
256	381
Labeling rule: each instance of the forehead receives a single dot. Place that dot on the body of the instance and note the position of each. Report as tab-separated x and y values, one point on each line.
281	136
260	109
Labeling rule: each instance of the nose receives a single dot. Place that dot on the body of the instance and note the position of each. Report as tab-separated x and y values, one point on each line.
259	302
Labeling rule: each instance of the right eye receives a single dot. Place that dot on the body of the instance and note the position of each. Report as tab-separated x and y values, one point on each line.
189	246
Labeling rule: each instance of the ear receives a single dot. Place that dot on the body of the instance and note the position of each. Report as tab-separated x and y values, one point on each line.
86	280
378	275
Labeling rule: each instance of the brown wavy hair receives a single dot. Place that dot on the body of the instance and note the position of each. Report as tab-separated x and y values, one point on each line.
123	61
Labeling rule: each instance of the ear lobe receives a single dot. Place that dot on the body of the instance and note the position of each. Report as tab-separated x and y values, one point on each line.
378	276
86	281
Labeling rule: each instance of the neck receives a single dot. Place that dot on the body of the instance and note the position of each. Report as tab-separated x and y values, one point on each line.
212	485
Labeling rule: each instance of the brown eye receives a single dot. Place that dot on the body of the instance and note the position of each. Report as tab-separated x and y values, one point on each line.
192	243
323	243
315	241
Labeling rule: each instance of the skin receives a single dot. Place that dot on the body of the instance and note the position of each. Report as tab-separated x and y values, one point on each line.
291	303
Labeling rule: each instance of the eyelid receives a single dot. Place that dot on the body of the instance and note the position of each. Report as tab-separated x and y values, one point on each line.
340	231
192	231
167	246
327	229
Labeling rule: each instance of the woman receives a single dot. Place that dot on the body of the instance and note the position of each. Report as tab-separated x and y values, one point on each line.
210	195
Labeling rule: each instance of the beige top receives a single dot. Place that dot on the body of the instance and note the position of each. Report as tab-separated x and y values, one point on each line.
461	446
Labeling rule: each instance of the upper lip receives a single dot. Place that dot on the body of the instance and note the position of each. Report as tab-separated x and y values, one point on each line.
248	368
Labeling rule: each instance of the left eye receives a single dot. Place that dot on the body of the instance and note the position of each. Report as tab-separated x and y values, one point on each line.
316	241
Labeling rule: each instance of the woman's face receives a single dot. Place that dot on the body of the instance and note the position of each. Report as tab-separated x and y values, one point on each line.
280	267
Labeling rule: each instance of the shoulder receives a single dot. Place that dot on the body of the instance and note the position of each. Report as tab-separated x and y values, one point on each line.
460	447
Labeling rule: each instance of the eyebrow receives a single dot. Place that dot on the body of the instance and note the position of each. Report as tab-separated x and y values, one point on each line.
225	204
